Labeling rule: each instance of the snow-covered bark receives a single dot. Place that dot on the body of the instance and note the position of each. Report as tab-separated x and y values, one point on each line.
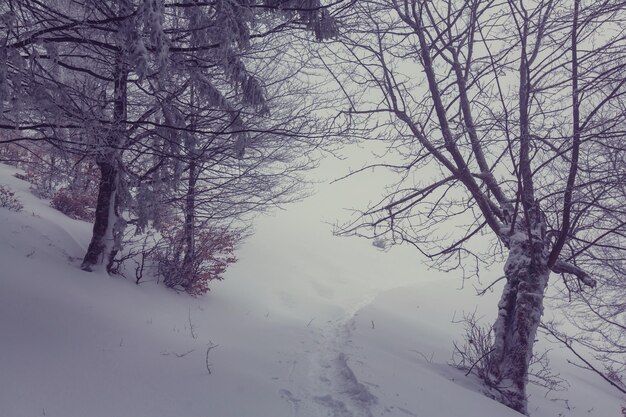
108	227
104	239
519	315
189	232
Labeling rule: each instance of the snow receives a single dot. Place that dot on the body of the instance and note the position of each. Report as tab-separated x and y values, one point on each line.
306	325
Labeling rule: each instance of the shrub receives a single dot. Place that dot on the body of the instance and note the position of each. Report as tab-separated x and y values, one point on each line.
11	153
43	179
615	375
8	199
75	204
473	355
213	254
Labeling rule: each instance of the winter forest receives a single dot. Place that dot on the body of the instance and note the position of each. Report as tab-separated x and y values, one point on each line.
309	208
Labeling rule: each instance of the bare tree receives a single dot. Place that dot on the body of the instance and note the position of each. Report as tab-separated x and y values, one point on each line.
229	149
493	113
91	77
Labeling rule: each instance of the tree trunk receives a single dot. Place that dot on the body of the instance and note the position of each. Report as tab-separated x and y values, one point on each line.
103	245
189	231
519	315
106	237
189	228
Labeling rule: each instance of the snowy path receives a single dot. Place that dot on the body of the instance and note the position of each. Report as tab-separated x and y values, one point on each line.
341	393
326	385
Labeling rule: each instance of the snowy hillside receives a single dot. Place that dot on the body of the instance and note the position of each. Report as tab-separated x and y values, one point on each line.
304	325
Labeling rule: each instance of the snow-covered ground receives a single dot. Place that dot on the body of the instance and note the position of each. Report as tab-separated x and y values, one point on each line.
305	325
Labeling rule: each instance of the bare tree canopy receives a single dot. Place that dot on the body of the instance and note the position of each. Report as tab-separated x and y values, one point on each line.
503	119
197	108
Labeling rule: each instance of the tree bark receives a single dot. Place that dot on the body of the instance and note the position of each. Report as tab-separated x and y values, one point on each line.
105	240
189	228
102	246
519	315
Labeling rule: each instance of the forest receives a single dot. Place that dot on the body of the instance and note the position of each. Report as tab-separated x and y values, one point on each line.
498	127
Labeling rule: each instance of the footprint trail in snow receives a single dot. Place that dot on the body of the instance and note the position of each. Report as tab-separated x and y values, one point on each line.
333	389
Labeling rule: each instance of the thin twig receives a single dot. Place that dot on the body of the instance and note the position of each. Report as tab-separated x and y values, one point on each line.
193	334
208	349
180	355
469	371
482	292
589	367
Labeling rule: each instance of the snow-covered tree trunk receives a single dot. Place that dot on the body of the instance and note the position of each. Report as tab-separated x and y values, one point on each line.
106	237
103	247
189	228
519	314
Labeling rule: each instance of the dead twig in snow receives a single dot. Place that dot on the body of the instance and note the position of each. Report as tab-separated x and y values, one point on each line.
193	334
178	355
208	349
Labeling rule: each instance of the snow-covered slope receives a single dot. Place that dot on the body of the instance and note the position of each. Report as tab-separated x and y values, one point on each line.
304	325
